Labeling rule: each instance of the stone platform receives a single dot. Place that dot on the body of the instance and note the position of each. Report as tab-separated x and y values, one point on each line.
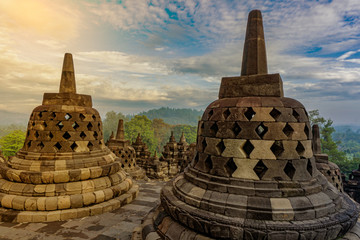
118	224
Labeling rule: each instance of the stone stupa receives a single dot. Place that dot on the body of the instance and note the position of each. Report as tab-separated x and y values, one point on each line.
64	169
125	152
329	169
254	175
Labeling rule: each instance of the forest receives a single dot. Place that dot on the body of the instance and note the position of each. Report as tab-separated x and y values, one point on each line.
341	143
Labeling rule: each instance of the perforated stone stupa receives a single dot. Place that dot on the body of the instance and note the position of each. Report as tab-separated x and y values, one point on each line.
125	152
329	169
64	169
254	175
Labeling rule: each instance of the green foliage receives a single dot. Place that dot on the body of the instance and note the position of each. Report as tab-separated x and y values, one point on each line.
330	146
111	122
161	133
190	132
141	124
175	116
6	129
12	142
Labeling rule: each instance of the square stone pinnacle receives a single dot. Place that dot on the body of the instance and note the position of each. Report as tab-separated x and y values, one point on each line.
260	85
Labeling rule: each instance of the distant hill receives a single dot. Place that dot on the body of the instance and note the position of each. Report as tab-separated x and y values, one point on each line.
175	116
7	118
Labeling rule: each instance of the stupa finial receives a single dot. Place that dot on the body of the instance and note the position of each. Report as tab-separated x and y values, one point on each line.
120	130
316	139
67	83
254	54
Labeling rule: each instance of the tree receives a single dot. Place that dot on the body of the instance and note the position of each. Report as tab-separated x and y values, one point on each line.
12	142
190	132
110	123
161	133
329	146
141	124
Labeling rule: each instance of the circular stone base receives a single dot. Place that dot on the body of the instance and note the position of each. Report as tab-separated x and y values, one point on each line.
136	173
10	215
158	224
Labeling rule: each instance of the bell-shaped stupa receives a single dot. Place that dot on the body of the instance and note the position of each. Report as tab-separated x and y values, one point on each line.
64	169
254	174
125	152
329	169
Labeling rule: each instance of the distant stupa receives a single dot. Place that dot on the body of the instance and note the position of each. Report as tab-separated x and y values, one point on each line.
125	152
64	169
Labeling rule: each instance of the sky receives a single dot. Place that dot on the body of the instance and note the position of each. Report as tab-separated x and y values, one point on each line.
136	55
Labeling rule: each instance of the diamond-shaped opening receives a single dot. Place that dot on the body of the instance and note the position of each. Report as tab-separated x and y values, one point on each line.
249	113
96	135
82	117
248	148
289	169
208	163
260	169
261	130
51	135
60	125
307	131
236	129
214	129
66	135
230	166
277	148
40	146
93	117
33	124
40	114
196	159
328	172
75	125
220	146
288	130
74	146
122	165
45	124
37	134
29	144
309	167
275	113
67	116
226	113
126	161
296	115
333	178
82	135
58	146
204	144
90	146
300	148
27	133
211	112
52	116
89	126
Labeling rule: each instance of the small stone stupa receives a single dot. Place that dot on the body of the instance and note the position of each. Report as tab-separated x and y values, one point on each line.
125	152
254	175
64	169
329	169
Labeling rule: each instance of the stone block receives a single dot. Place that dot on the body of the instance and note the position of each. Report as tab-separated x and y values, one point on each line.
68	214
7	200
63	202
61	176
234	148
262	149
245	168
41	203
31	204
51	203
39	216
53	216
18	203
24	217
88	198
281	209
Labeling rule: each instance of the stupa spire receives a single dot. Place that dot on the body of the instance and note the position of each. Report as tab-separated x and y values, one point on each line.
316	139
67	83
254	54
120	130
